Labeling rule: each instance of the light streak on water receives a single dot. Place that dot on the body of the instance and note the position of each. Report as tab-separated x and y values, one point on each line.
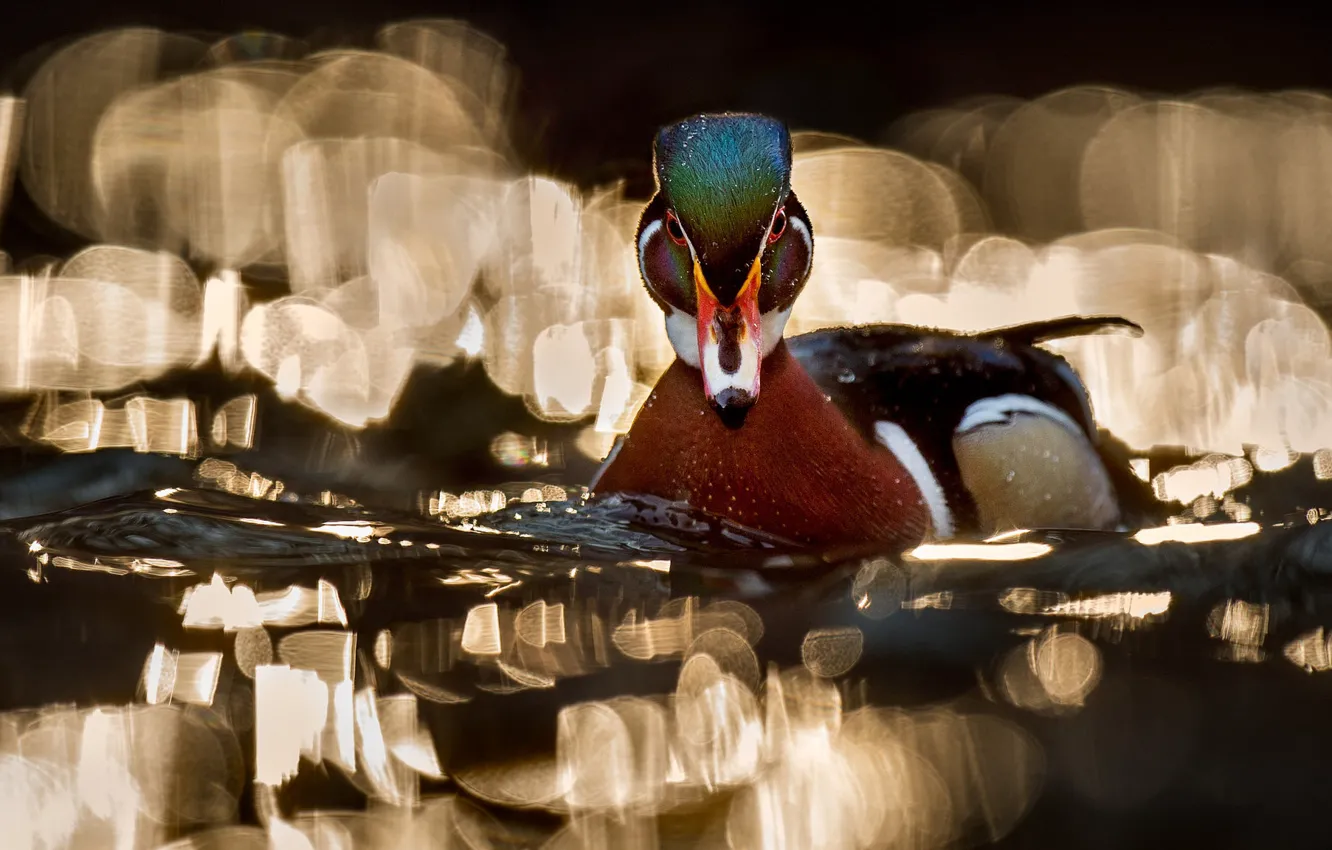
979	551
1195	533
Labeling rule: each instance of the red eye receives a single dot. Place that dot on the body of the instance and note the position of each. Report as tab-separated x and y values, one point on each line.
778	226
674	229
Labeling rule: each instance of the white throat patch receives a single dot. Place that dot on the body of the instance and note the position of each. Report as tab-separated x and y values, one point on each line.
682	331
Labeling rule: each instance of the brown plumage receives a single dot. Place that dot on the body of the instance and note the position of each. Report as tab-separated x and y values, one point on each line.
796	468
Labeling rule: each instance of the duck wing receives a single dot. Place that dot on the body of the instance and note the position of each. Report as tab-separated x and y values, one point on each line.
924	381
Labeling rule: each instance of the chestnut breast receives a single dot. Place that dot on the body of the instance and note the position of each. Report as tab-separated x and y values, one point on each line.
796	467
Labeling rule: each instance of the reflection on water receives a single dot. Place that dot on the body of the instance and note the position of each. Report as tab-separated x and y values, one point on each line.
307	673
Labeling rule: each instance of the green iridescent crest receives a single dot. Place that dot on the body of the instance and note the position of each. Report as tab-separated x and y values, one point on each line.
724	176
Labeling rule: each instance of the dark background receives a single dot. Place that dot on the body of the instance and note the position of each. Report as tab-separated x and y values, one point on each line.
597	78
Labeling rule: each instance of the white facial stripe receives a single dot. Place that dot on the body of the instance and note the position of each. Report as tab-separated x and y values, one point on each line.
689	243
799	227
767	234
649	231
773	325
643	238
681	328
1001	408
682	331
896	440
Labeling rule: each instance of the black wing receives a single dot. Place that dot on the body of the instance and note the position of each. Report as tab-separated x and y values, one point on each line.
924	380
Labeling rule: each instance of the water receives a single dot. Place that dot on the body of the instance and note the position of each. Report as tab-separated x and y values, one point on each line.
516	680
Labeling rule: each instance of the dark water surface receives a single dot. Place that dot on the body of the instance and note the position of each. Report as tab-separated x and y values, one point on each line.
1082	690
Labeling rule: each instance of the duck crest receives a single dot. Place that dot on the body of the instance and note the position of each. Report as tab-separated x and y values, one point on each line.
797	468
724	174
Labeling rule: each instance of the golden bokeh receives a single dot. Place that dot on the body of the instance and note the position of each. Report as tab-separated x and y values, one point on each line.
382	184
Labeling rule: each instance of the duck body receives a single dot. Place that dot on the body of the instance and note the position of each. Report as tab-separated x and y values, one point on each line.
1000	430
797	468
887	433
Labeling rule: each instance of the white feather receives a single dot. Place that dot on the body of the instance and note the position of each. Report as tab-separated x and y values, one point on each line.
605	464
773	325
1001	408
894	438
682	331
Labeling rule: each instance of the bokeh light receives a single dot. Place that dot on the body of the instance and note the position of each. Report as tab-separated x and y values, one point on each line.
380	183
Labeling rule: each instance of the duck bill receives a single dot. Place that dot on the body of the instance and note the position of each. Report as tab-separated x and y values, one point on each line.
730	345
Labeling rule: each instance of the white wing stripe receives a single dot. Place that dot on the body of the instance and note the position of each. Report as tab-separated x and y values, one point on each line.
897	441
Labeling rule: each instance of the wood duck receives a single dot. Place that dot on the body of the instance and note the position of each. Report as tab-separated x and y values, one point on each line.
882	434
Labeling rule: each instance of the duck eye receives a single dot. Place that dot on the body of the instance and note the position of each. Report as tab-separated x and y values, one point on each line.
674	229
778	226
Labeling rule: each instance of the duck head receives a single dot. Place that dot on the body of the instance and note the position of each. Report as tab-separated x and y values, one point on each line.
724	248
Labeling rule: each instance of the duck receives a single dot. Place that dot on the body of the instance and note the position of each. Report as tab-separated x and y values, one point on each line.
878	434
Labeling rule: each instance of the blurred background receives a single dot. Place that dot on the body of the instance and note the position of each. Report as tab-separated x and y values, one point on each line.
395	258
382	253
